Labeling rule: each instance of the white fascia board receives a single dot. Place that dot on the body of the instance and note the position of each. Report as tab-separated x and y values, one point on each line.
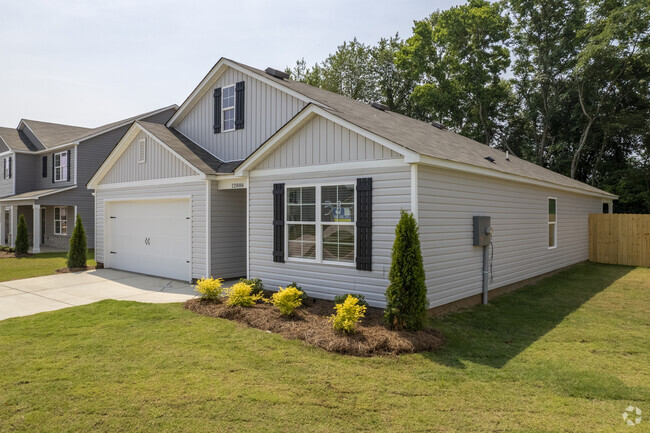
212	76
322	168
467	168
121	147
304	116
150	182
7	153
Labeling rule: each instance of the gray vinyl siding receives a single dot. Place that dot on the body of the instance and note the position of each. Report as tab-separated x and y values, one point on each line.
267	109
391	193
159	163
26	180
227	232
519	217
198	193
7	185
322	141
30	135
46	182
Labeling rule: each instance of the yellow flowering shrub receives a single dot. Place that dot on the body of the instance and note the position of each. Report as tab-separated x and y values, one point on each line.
347	314
287	300
241	294
209	288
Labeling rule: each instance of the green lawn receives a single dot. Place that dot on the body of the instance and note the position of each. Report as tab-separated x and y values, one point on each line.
568	354
36	265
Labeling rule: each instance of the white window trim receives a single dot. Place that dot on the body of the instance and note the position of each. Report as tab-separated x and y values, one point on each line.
54	167
319	225
7	169
142	151
548	220
54	220
223	110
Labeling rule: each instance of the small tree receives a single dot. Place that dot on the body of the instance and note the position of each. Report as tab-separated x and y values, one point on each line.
22	239
406	295
78	247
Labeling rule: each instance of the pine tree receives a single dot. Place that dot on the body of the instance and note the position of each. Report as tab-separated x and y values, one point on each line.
78	248
406	295
22	239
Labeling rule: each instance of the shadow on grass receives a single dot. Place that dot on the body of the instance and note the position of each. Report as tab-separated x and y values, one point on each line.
494	334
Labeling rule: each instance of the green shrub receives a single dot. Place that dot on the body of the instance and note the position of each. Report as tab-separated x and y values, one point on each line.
287	300
255	283
22	238
303	296
339	299
241	294
406	296
347	314
7	249
209	288
78	252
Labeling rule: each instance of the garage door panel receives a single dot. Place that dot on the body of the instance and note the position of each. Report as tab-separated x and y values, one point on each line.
151	237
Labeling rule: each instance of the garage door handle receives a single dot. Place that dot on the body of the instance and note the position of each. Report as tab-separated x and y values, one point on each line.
113	252
147	241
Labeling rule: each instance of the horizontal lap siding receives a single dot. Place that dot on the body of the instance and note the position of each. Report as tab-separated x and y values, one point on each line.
228	232
266	108
519	213
7	185
46	182
322	141
27	169
391	193
159	163
197	190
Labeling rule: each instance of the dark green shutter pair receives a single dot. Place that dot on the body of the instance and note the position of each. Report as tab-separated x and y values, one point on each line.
364	223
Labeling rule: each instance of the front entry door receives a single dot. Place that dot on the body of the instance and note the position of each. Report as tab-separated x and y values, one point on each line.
42	226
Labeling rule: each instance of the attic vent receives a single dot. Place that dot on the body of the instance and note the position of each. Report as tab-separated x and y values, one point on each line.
277	74
438	125
379	106
489	158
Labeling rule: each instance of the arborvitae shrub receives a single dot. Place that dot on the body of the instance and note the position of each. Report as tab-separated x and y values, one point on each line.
406	296
22	239
78	247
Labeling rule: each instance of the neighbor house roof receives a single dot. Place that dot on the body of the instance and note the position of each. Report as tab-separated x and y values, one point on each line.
194	154
53	134
424	138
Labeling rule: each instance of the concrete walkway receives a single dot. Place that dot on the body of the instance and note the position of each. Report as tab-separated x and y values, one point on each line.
53	292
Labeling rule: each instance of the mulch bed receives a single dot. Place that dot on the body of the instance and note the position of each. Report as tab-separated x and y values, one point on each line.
311	325
67	270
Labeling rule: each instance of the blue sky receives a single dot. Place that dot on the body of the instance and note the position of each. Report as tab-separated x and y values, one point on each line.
88	63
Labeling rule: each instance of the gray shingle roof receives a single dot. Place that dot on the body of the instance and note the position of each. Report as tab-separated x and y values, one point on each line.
423	138
54	134
36	194
197	156
16	140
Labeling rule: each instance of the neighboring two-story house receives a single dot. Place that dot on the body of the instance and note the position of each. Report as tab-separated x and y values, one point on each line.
45	168
259	175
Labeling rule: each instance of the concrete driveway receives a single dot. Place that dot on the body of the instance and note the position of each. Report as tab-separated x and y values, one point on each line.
35	295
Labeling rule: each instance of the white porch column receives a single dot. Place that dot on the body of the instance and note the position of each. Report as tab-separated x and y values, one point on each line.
13	221
2	225
36	232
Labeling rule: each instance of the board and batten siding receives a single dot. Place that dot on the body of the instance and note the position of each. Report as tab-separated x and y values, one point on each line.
159	163
519	218
227	232
391	193
322	141
266	110
196	191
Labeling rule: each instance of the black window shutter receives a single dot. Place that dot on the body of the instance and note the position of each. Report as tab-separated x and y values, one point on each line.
217	110
53	166
11	165
278	222
4	168
364	224
239	105
44	171
69	164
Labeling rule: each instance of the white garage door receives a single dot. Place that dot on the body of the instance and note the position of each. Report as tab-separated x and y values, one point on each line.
151	237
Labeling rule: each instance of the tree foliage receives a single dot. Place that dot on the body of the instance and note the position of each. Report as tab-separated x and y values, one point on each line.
22	238
77	254
576	98
406	296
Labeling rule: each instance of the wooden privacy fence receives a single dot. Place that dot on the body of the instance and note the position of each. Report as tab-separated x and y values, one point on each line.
622	239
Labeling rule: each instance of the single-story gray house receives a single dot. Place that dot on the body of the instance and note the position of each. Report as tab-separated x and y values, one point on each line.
258	175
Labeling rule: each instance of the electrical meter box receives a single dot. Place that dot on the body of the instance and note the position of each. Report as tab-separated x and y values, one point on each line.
482	231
